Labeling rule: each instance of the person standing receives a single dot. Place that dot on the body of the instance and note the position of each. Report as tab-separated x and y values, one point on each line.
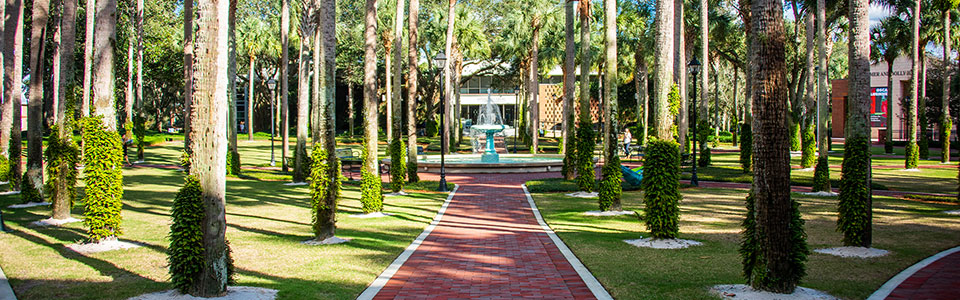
627	138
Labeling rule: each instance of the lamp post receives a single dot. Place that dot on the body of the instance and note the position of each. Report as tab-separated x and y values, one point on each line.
516	118
694	68
440	61
272	85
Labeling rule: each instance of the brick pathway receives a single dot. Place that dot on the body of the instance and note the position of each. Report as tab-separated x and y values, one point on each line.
487	245
938	280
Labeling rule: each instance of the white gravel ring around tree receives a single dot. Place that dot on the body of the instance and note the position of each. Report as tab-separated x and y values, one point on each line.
858	252
821	194
609	213
233	293
371	215
953	212
333	240
743	291
54	222
109	244
663	243
400	193
26	205
582	194
295	183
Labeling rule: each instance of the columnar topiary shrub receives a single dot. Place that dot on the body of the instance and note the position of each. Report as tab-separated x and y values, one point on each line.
746	147
912	155
28	191
185	161
924	142
62	158
398	166
103	166
809	147
301	173
13	166
661	186
854	206
233	163
371	189
585	173
569	170
140	131
794	136
821	176
4	169
611	184
185	254
945	138
751	249
704	132
324	210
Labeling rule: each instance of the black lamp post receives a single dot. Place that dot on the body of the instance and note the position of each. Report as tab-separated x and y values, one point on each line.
272	85
441	60
694	68
516	118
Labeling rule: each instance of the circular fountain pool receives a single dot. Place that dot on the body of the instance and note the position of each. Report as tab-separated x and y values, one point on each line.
473	164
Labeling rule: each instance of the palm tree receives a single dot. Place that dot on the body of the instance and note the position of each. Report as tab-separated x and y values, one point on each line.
88	54
327	28
103	75
188	39
611	188
284	82
252	42
533	89
664	63
704	105
855	213
6	107
774	246
301	164
823	167
912	154
139	28
569	79
680	72
12	79
212	47
372	198
128	89
807	124
887	44
233	155
412	91
585	166
448	84
396	132
41	10
947	7
68	31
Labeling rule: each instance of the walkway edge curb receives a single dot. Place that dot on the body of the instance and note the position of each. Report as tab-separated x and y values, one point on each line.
588	279
392	269
894	282
6	291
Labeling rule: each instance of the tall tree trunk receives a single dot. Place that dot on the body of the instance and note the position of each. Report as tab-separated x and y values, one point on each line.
704	106
776	215
370	133
569	88
103	62
41	10
643	104
823	137
251	82
585	64
397	67
139	27
301	166
447	84
55	77
388	56
12	86
128	89
88	56
284	83
810	101
610	125
664	60
188	52
316	103
6	106
890	114
680	73
413	74
231	80
68	32
912	154
533	92
855	201
329	117
351	112
209	159
945	120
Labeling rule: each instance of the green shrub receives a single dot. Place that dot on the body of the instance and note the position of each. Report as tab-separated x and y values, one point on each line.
934	198
412	176
185	254
62	154
398	166
233	163
746	147
611	184
4	169
185	161
585	145
661	185
794	136
809	147
13	166
140	131
433	126
854	203
912	155
323	211
28	191
302	169
752	251
888	147
945	125
570	154
821	176
103	166
371	189
704	159
560	185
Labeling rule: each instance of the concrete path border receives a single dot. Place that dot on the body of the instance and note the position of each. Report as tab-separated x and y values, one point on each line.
894	282
592	282
6	291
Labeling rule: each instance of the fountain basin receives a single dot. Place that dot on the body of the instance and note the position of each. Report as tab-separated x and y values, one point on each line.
474	164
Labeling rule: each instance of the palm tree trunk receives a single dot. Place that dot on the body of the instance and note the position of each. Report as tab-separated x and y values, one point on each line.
41	10
704	105
55	77
188	39
251	82
664	59
569	88
610	125
12	83
300	165
328	32
231	77
533	91
388	93
6	107
945	97
139	85
680	72
823	137
128	89
855	213
88	55
912	154
317	104
447	84
412	90
397	67
370	96
209	159
284	83
351	112
644	104
810	103
889	144
68	32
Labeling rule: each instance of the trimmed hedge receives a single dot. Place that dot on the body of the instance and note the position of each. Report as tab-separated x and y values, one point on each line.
661	185
28	191
704	159
945	138
62	154
752	250
4	168
586	175
185	254
912	154
821	175
398	166
746	147
855	204
412	176
103	166
13	164
808	140
704	135
611	184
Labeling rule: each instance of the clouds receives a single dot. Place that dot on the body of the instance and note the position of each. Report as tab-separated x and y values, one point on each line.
877	13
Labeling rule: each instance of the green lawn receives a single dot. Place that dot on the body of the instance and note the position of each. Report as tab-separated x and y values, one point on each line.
266	223
911	230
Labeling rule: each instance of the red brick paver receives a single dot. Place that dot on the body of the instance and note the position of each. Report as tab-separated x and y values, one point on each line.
938	280
487	245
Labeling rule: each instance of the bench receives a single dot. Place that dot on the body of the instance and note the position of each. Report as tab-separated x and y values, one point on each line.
349	160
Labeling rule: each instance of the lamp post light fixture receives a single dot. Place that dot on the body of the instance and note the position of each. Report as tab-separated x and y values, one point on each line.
441	60
272	85
694	68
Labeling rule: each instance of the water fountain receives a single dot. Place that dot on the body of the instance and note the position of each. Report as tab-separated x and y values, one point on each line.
489	123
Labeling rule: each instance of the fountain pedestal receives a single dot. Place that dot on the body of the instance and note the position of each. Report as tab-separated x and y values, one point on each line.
490	154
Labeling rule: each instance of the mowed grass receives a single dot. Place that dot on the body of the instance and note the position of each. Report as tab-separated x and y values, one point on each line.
911	230
266	221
